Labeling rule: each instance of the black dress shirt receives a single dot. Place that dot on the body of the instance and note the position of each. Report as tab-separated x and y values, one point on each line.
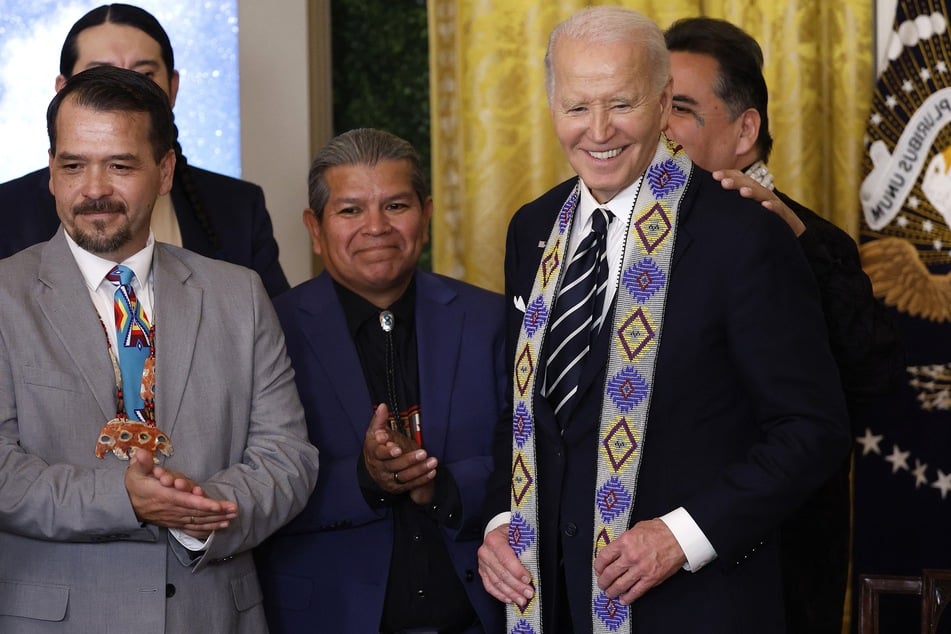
423	589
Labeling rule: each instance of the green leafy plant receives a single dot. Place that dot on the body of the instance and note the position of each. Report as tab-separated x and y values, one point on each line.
381	71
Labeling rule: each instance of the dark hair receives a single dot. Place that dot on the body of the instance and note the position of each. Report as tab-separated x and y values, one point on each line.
122	14
740	83
128	15
111	89
361	146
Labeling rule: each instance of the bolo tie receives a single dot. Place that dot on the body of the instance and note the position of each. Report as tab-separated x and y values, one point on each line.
413	429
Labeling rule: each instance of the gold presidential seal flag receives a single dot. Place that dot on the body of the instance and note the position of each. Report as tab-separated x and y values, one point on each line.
906	195
903	450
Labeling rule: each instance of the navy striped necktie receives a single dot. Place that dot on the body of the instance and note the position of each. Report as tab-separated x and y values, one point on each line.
577	316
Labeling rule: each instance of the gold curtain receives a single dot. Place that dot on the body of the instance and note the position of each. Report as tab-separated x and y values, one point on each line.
493	147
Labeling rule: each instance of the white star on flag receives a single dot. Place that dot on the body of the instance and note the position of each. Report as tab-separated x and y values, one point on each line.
869	442
919	473
943	483
898	458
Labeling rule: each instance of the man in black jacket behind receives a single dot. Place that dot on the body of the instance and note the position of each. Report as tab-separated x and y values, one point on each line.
719	115
212	214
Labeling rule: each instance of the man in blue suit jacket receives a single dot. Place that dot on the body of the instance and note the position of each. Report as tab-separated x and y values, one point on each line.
388	540
215	215
707	408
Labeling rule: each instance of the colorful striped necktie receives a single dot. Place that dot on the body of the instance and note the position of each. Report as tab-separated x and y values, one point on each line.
132	341
577	316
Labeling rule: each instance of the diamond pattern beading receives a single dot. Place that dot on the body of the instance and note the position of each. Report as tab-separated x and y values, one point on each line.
643	280
613	499
550	263
524	369
535	316
627	389
620	444
653	227
521	479
636	333
522	425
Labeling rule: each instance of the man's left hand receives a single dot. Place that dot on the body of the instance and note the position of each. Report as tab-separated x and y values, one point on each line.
173	500
396	463
642	557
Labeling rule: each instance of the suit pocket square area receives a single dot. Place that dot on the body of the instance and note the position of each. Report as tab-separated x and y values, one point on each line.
33	601
53	378
519	303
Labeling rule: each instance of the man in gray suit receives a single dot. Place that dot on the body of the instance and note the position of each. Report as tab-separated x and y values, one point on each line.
99	545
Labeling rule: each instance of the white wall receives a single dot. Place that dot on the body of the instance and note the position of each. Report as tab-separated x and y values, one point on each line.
275	132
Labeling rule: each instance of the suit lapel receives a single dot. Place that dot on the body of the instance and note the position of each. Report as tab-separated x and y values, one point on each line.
683	237
439	327
66	304
328	334
177	318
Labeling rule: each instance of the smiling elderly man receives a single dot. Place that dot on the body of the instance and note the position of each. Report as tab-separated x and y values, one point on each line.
674	394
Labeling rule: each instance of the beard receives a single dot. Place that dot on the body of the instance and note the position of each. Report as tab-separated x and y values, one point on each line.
98	240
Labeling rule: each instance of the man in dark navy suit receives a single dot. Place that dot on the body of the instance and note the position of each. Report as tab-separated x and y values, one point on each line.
211	214
645	496
402	376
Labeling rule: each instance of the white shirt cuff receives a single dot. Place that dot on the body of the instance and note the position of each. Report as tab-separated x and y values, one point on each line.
499	520
697	548
189	542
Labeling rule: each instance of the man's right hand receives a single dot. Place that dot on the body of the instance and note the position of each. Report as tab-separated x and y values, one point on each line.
503	575
172	505
749	188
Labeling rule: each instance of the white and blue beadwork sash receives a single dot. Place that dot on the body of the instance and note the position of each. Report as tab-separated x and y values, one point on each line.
636	327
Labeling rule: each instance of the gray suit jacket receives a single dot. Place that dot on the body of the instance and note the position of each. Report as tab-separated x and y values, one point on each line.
73	556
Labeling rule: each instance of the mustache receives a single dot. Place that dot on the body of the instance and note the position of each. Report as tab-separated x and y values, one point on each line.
104	205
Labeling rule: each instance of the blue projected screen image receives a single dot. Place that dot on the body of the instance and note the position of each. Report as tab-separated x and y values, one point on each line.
204	36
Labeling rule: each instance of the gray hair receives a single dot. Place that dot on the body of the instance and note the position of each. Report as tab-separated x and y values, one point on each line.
610	25
360	146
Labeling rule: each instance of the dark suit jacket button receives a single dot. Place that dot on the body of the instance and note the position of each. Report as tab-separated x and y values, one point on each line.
571	529
169	590
470	575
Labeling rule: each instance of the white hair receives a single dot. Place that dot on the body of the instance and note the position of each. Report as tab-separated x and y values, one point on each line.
610	25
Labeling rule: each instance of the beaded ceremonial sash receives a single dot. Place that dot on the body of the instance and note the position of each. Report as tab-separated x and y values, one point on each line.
636	325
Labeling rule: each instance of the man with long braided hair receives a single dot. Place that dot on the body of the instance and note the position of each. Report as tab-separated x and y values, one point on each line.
211	214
